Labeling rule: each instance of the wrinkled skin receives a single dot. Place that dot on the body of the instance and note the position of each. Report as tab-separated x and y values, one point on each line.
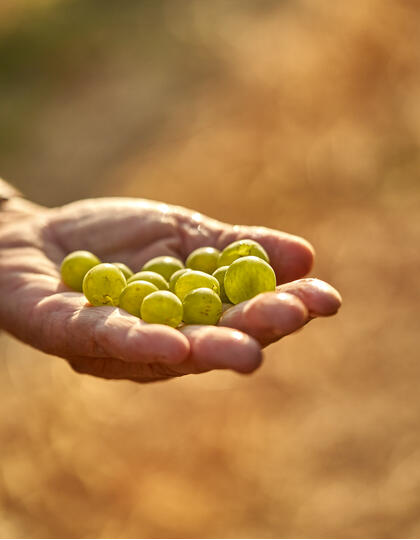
108	342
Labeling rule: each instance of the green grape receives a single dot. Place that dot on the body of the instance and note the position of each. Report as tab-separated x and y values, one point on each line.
151	277
162	307
194	280
124	269
242	248
74	267
164	265
175	276
248	276
133	295
103	284
203	259
219	274
202	306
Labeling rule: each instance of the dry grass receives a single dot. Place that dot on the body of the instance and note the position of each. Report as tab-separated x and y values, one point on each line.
303	116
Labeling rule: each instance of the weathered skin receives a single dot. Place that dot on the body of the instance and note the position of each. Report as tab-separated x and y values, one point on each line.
108	342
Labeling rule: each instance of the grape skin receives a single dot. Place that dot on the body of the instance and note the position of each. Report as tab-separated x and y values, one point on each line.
202	306
163	265
219	274
195	279
124	269
75	266
151	277
175	276
133	295
248	276
162	307
197	291
103	284
242	248
204	259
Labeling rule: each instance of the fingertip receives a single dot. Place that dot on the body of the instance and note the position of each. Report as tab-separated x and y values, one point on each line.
295	260
252	354
332	299
277	313
320	298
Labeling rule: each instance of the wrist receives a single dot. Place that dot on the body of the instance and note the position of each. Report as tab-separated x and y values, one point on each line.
7	191
12	204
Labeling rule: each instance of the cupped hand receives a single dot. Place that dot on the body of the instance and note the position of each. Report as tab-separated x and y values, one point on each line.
107	341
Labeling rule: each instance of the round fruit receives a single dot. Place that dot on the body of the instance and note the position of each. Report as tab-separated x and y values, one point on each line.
133	295
219	274
194	280
103	284
202	306
248	276
75	266
242	248
203	259
162	307
151	277
175	276
164	265
124	269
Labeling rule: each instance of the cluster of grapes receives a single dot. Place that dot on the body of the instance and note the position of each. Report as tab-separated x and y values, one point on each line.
167	292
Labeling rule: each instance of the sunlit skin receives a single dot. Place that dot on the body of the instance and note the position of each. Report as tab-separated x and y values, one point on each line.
108	342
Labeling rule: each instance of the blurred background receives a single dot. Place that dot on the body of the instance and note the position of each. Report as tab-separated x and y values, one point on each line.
299	115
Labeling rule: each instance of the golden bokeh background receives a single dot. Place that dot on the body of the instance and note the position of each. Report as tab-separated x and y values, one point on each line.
299	115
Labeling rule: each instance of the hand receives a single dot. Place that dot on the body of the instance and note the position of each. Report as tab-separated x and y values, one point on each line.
108	342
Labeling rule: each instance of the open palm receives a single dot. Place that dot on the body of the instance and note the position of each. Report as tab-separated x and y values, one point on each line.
108	342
